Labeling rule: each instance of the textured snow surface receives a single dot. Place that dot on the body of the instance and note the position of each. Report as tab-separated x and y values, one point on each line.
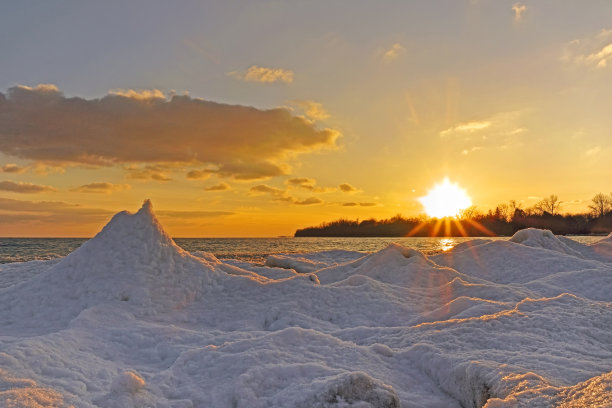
132	320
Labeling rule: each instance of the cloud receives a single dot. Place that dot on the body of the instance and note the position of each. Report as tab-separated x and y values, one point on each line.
13	168
218	187
101	188
136	128
148	172
394	52
592	152
312	110
199	174
265	189
467	127
263	74
281	195
347	188
353	204
309	201
302	182
25	188
518	9
593	52
192	214
142	95
54	212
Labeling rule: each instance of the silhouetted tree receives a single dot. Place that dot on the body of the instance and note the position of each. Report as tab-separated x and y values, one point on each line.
550	205
601	205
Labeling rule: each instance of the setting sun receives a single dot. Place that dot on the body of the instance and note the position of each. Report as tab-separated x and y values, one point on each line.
445	200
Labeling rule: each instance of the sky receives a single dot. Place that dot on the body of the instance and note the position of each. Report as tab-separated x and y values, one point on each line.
255	118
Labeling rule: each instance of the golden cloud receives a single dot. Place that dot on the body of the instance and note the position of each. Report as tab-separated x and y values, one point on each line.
124	127
25	188
101	188
312	110
262	74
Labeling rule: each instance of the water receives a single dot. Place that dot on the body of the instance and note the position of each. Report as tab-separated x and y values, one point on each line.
247	249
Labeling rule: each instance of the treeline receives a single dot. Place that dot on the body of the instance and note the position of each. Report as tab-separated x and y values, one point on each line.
504	220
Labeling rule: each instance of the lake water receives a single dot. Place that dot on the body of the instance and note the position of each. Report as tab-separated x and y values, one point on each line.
247	249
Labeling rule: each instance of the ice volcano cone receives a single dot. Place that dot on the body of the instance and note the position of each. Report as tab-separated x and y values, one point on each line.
131	260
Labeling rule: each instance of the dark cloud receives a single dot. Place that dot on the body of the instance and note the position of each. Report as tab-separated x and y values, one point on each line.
302	182
352	204
347	188
102	187
43	125
153	172
281	195
199	174
26	188
309	201
218	187
263	189
13	168
192	214
20	211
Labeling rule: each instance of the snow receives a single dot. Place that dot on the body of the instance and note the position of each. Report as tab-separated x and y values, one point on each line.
132	320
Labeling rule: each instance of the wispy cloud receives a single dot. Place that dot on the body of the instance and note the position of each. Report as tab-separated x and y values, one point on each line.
191	214
218	187
308	201
519	9
394	52
25	188
592	152
594	52
138	127
101	188
256	73
282	195
17	212
148	172
467	127
353	204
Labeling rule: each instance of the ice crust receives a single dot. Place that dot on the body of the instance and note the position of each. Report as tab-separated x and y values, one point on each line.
132	320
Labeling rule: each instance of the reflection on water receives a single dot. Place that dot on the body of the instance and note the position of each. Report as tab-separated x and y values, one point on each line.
247	249
446	243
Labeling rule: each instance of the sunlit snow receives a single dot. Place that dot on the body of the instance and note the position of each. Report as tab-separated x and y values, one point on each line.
132	320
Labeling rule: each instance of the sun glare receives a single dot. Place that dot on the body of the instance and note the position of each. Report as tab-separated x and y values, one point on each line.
445	200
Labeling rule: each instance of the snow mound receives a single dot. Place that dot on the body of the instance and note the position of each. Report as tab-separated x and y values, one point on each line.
542	239
311	262
131	260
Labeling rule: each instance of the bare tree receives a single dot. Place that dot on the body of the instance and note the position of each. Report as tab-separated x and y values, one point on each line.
550	205
601	204
469	213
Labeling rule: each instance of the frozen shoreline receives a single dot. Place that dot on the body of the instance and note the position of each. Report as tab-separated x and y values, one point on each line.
132	320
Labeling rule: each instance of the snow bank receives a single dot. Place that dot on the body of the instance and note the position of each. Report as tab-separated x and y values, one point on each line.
542	239
131	320
306	263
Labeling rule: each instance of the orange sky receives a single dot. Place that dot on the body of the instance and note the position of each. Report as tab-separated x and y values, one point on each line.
255	119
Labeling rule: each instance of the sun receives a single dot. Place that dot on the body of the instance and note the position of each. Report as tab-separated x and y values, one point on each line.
445	200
